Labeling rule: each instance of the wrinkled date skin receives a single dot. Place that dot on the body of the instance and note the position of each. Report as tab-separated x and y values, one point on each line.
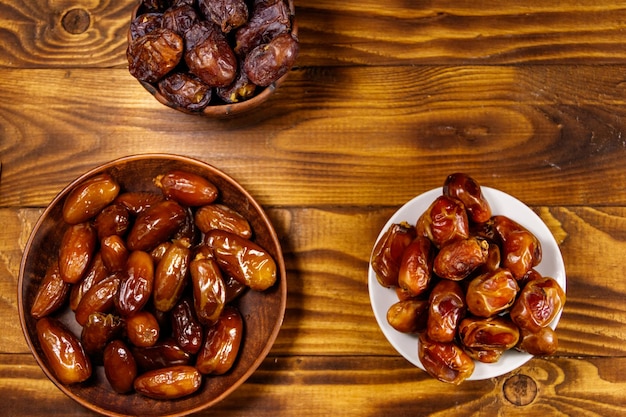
171	275
114	219
63	351
99	299
163	354
444	221
136	202
180	18
240	90
209	56
142	329
543	342
89	198
243	259
268	62
493	333
78	246
52	293
169	383
152	56
416	266
268	20
144	24
219	216
467	189
445	361
187	188
388	252
186	328
99	330
538	304
136	288
447	308
521	250
408	316
120	367
221	345
491	293
155	225
209	292
458	259
185	91
227	14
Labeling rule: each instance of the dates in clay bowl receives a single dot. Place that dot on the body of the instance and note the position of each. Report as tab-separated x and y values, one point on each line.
383	298
262	311
252	44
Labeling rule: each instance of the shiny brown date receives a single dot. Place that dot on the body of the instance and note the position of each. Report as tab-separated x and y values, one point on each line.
444	221
163	354
416	266
268	62
458	259
87	199
538	304
388	252
153	55
445	361
221	344
209	292
491	293
521	250
63	351
99	330
96	273
543	342
120	367
142	329
222	217
137	202
243	259
52	293
447	308
136	288
209	56
169	383
171	275
78	246
493	333
467	189
114	253
114	219
187	188
408	316
99	299
155	225
186	328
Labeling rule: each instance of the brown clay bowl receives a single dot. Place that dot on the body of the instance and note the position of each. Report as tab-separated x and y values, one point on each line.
218	109
262	312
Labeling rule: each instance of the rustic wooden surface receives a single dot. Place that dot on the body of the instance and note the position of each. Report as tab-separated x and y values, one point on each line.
387	99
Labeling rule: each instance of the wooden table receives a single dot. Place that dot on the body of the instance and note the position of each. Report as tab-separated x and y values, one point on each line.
386	100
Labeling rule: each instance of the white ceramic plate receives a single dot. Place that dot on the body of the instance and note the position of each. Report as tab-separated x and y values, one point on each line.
502	204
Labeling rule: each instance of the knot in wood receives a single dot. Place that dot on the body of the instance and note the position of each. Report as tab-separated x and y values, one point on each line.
76	21
520	390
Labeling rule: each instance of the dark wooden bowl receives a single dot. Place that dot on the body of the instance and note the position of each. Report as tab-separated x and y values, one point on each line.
224	110
262	312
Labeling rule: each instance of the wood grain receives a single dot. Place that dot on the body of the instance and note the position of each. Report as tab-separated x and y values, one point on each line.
403	119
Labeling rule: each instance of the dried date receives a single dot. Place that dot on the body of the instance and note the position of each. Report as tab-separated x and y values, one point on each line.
268	62
185	91
153	55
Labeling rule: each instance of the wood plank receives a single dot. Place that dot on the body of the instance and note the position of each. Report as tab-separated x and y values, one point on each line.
318	143
328	308
44	35
364	385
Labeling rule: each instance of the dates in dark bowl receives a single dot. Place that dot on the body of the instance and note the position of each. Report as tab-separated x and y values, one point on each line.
213	57
116	349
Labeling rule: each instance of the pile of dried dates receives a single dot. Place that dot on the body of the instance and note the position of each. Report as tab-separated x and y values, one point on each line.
151	277
467	284
211	52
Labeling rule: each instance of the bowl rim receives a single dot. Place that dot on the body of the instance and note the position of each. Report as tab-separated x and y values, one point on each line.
170	157
380	297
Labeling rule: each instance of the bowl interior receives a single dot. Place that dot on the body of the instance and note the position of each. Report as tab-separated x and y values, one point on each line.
501	203
262	312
